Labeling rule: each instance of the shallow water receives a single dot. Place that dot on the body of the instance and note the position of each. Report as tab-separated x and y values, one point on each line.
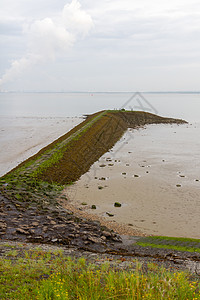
186	106
22	137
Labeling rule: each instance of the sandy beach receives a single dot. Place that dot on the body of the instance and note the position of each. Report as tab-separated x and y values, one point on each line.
22	137
154	174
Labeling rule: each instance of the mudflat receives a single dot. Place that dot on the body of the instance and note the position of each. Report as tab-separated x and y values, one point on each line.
153	173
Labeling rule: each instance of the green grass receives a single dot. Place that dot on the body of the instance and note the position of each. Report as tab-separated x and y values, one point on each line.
181	239
164	242
51	275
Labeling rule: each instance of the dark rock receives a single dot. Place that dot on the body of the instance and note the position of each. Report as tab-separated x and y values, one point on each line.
109	214
95	239
117	204
22	231
102	166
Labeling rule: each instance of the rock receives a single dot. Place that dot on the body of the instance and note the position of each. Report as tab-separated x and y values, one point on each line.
59	226
54	240
109	214
100	187
178	185
22	231
102	166
35	223
107	233
95	239
45	228
136	175
3	226
93	207
117	204
123	173
53	222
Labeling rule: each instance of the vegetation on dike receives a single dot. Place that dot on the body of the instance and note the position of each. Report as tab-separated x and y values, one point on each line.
174	243
39	274
40	178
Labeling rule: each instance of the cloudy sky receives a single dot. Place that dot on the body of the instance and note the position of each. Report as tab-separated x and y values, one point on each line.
107	45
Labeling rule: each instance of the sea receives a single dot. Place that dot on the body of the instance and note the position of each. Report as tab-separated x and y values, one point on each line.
177	105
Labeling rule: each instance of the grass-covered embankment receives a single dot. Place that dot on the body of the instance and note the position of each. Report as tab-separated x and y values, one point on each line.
40	178
38	274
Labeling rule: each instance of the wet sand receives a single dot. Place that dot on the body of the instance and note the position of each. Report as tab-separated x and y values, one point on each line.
155	174
22	137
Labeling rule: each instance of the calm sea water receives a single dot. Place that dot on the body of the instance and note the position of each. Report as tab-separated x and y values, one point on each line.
186	106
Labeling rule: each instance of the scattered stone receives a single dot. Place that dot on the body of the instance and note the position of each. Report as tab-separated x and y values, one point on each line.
83	203
110	165
124	173
117	204
136	175
178	185
102	178
93	207
100	187
196	179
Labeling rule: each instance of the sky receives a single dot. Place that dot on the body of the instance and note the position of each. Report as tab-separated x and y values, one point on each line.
96	46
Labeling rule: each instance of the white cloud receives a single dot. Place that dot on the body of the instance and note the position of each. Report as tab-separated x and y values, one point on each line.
49	37
75	19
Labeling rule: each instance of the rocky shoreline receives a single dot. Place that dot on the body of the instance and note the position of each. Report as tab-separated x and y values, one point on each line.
79	237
